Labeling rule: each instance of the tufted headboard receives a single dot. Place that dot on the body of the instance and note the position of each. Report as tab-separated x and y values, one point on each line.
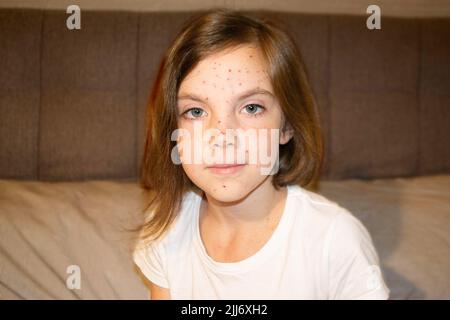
72	103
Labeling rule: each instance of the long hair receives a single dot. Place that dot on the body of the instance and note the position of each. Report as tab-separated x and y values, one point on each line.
203	34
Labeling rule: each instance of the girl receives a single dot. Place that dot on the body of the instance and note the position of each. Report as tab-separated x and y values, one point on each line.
224	230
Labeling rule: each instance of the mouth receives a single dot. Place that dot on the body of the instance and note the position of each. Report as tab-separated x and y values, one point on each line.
226	168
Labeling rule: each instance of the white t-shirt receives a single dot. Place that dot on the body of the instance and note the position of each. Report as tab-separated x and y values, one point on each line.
318	250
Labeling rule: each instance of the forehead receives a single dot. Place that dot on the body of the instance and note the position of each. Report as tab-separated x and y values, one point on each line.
241	67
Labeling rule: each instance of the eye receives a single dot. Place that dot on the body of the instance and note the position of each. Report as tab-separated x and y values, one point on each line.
253	109
194	113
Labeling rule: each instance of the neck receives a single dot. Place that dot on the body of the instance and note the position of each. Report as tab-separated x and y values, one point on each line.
261	205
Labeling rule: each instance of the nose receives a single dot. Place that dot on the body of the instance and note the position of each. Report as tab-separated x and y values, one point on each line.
224	121
225	125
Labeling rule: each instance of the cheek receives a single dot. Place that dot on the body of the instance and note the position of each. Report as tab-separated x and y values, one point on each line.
194	172
268	146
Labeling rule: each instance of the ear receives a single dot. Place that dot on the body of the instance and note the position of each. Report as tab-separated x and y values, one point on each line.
286	133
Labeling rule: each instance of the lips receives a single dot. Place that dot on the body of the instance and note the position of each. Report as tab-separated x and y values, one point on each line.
226	168
225	165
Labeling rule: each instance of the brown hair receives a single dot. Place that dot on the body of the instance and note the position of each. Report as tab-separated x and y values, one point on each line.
206	33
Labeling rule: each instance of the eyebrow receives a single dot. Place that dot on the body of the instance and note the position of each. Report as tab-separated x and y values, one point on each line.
242	96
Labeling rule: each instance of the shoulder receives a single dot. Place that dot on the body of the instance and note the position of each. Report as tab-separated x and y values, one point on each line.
327	220
351	264
316	206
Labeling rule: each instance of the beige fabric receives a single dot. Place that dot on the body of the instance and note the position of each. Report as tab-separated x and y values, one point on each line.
45	227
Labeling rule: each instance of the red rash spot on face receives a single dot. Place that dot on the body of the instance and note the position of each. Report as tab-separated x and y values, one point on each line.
240	83
228	78
239	70
229	70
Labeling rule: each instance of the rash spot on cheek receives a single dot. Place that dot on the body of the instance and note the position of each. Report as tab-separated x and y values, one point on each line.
229	70
224	186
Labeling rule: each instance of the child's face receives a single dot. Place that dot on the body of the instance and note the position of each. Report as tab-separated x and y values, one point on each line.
219	82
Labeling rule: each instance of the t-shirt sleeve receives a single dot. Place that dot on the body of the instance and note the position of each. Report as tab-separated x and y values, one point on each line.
150	261
354	271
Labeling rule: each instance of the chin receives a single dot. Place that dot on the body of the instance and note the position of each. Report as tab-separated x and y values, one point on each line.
228	192
226	187
231	190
